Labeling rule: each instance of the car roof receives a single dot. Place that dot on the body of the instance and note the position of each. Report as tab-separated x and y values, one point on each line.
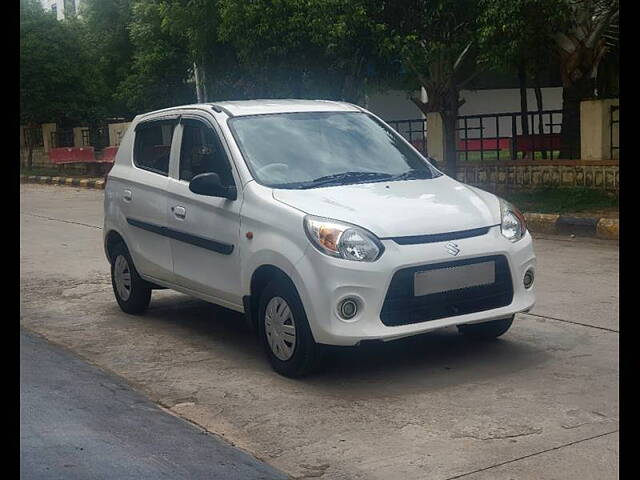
266	106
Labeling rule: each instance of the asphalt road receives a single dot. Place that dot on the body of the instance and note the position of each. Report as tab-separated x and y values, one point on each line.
541	402
77	421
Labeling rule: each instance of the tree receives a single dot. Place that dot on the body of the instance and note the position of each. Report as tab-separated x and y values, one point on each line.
160	69
581	47
515	37
107	36
58	82
311	49
435	40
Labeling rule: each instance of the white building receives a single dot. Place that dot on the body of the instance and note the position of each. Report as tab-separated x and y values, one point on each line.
62	8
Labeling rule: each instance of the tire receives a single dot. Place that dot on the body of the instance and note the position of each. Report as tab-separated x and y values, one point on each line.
486	330
132	296
291	357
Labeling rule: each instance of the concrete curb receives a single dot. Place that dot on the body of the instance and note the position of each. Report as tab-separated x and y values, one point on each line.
70	181
607	228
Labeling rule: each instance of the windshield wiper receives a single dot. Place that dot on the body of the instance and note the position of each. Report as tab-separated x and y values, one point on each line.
414	175
347	177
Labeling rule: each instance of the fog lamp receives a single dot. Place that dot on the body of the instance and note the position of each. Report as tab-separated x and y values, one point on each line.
528	279
348	308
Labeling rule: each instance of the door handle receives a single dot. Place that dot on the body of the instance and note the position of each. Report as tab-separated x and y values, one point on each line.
127	196
179	211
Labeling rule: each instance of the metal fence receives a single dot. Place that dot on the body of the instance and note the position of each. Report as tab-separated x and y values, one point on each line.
614	125
96	137
415	131
33	137
62	137
505	136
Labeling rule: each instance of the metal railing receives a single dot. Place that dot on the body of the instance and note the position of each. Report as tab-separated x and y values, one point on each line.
33	137
501	136
62	138
414	130
96	137
614	119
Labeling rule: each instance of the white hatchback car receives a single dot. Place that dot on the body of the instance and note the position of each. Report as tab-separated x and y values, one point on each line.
315	219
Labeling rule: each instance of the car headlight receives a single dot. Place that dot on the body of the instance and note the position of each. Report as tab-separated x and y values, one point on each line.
342	240
513	225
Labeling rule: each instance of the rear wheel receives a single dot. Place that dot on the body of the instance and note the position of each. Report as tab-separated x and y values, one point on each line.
284	331
132	292
486	330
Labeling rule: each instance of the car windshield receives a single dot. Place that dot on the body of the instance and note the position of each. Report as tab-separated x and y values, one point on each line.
317	149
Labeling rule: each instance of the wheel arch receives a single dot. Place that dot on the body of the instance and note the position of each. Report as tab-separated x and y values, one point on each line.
111	240
260	278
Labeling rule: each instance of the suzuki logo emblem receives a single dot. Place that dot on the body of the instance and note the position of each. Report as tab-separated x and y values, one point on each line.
452	248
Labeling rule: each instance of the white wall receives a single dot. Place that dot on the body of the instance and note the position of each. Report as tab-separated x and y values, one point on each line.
393	105
507	100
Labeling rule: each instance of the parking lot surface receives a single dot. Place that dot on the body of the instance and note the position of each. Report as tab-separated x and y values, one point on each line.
540	402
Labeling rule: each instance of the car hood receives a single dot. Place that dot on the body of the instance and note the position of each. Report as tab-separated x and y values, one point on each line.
402	208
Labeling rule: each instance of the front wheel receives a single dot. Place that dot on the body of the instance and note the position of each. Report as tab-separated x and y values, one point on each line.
486	330
284	331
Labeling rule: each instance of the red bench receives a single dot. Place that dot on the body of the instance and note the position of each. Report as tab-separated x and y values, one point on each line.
63	155
82	155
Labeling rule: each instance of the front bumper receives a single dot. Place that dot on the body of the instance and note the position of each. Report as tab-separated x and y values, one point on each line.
324	281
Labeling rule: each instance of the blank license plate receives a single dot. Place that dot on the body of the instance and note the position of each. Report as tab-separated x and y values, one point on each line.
454	278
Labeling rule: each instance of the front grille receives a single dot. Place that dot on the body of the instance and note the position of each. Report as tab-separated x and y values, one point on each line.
401	307
441	237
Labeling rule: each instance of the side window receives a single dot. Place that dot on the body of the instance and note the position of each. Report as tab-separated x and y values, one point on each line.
153	146
201	152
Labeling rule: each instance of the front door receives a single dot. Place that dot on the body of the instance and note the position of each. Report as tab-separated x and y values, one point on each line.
205	230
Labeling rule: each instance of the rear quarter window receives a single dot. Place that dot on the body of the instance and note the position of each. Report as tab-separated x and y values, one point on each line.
152	146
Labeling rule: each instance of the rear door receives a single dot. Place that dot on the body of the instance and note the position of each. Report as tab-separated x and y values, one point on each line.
205	230
144	198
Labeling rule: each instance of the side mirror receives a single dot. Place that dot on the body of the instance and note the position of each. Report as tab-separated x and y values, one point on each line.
209	184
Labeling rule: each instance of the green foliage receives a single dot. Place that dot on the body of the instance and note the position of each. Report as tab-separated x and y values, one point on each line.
564	200
316	48
107	36
160	67
58	81
515	33
121	57
434	38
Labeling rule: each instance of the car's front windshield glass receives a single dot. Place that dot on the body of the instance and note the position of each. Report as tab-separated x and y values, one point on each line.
316	149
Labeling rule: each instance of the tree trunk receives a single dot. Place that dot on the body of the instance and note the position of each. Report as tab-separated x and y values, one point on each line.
524	108
200	89
571	97
538	92
30	157
450	123
445	101
28	136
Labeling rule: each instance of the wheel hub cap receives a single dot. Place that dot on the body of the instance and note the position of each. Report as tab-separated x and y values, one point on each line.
122	277
280	328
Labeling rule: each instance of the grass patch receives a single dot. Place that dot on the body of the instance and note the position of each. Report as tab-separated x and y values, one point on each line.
565	200
505	156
